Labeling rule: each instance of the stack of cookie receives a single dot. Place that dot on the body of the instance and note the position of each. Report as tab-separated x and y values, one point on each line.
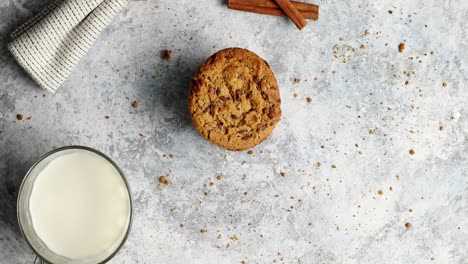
234	99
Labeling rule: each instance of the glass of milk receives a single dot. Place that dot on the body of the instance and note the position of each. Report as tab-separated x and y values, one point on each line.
75	206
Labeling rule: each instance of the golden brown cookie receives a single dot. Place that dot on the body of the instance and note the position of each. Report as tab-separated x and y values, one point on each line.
234	99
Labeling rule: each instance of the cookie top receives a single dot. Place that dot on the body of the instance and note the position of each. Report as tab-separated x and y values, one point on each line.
234	99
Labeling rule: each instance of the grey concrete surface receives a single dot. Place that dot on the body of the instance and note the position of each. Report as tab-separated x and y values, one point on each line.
360	127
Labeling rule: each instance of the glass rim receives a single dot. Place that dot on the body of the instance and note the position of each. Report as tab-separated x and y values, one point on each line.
71	147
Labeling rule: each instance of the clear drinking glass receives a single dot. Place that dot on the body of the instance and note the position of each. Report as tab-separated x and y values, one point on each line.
45	255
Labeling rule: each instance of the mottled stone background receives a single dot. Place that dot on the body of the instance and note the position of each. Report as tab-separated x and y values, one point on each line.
363	121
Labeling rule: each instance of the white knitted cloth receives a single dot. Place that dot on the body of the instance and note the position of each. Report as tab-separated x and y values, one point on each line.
52	43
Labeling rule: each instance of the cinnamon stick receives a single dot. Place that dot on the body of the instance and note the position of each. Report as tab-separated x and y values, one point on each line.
270	11
292	13
300	6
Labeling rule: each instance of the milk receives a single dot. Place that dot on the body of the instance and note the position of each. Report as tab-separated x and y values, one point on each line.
80	206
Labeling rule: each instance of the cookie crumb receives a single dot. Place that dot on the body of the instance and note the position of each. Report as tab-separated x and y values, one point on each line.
412	152
29	118
380	192
171	156
234	238
219	177
363	46
135	104
444	84
391	188
203	230
406	82
283	174
19	117
309	100
333	166
390	12
164	180
408	225
297	80
164	155
410	210
401	47
295	94
211	183
181	225
371	132
441	128
106	117
166	54
245	193
319	164
250	152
